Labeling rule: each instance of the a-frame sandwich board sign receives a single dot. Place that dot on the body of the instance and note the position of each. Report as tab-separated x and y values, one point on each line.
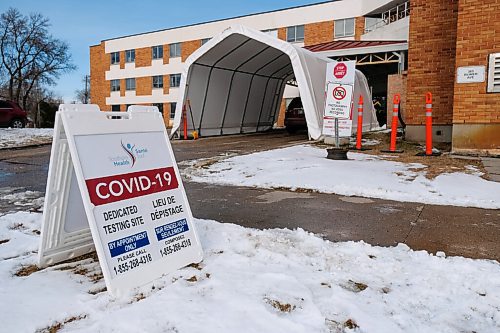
114	185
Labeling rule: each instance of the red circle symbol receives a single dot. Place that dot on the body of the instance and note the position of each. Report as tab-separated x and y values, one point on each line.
339	93
340	70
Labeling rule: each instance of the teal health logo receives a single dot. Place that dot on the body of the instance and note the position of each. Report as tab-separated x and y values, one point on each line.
130	156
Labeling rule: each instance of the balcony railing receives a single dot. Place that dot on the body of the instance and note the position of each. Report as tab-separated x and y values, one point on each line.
392	15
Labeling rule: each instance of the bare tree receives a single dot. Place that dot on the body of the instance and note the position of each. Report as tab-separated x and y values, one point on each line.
83	95
30	55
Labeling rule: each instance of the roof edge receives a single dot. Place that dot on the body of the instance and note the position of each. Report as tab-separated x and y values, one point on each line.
219	20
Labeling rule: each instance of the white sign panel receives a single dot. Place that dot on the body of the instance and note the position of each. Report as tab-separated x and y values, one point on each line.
345	127
341	72
339	93
471	74
133	195
338	100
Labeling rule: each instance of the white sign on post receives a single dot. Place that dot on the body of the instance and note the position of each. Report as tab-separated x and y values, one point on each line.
339	93
130	188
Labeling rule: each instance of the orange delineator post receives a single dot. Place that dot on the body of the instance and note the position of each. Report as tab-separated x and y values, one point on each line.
360	123
428	124
394	127
184	117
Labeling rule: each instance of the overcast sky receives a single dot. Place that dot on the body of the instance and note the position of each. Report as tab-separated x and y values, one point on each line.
87	22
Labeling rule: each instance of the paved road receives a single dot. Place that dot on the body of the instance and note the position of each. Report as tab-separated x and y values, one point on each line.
468	232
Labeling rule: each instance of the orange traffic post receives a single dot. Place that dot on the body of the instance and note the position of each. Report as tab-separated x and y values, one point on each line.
394	126
428	124
360	123
184	117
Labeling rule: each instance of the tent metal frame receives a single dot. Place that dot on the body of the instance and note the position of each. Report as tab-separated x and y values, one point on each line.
210	74
250	90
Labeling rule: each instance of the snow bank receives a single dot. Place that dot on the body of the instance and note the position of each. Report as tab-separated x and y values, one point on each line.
255	281
18	137
363	175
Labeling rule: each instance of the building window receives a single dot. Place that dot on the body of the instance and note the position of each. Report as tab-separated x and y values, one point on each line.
157	81
115	108
115	85
130	84
273	32
157	52
205	40
115	58
159	106
173	105
295	34
130	56
344	28
175	80
175	50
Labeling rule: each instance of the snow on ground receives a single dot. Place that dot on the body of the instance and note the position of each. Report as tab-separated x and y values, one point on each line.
254	281
363	175
19	137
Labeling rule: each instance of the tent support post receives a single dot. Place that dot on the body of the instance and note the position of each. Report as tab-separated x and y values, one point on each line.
278	103
231	85
265	94
276	99
208	80
262	104
250	88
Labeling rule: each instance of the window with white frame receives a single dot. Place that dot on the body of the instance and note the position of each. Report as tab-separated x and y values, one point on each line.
157	81
157	52
344	28
271	32
115	58
130	84
175	80
173	105
205	40
115	85
175	50
295	34
130	56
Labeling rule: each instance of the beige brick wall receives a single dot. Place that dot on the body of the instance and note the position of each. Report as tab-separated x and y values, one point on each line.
166	53
431	59
144	86
122	59
143	57
316	33
396	84
99	87
478	35
359	27
189	47
166	84
282	33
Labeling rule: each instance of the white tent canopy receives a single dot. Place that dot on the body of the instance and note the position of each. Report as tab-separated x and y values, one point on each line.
235	83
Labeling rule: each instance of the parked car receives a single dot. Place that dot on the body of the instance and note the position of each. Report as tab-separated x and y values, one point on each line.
295	118
12	115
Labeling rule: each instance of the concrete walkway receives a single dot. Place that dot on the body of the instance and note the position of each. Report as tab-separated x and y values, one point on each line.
492	166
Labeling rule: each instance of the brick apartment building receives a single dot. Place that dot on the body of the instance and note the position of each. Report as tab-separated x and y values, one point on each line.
400	51
145	68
